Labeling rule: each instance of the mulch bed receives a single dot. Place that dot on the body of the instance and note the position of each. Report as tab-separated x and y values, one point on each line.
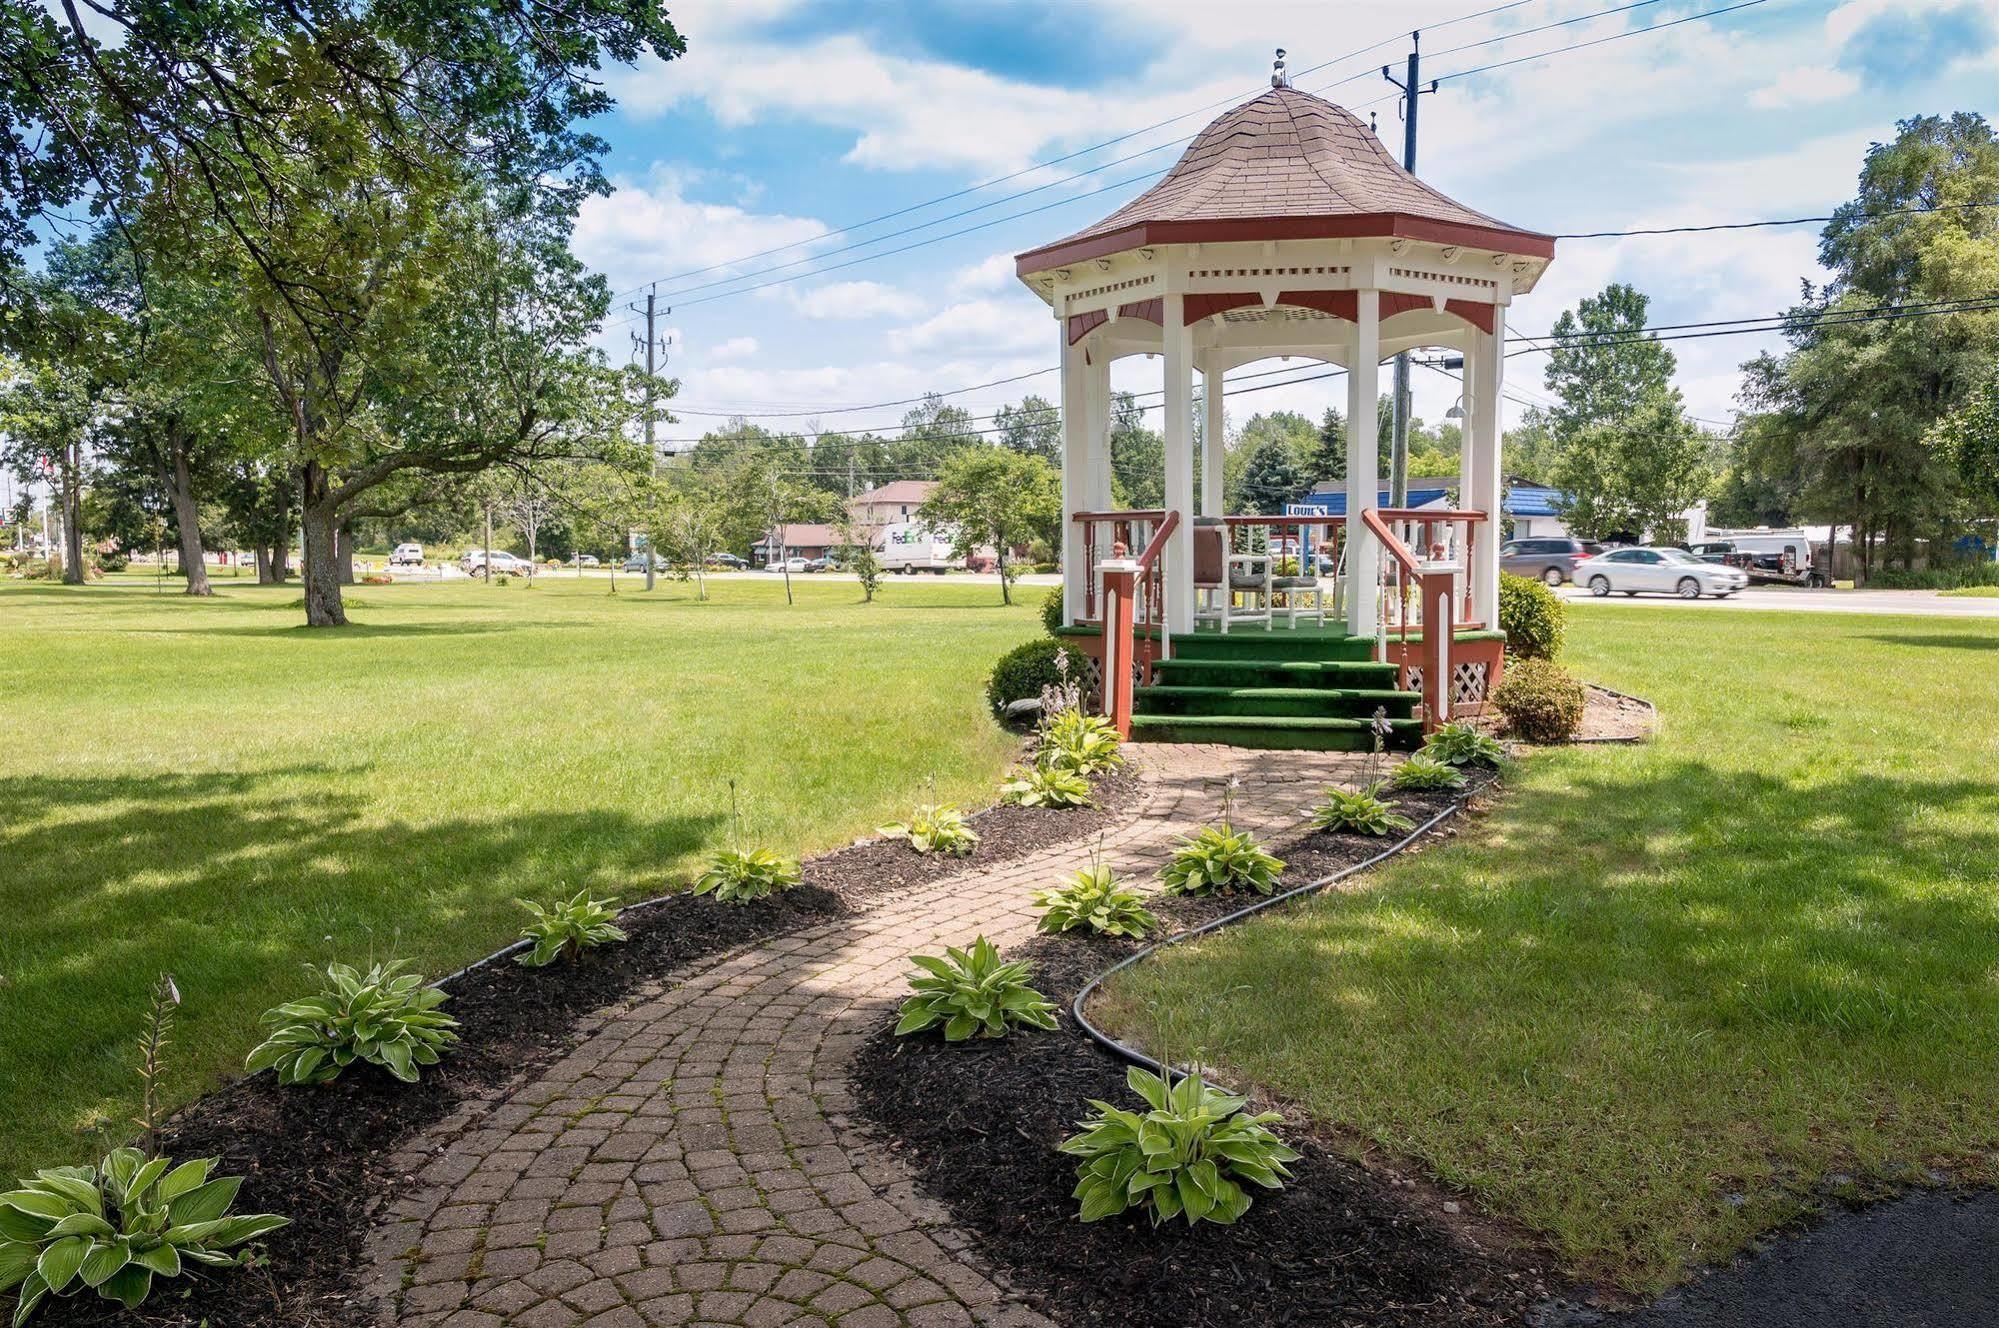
320	1155
1347	1242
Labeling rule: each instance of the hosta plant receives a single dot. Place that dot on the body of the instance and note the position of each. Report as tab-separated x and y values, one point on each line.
735	877
1045	784
384	1017
1221	858
1189	1155
1095	900
1423	773
1363	811
937	827
1461	743
1081	741
115	1227
567	928
972	993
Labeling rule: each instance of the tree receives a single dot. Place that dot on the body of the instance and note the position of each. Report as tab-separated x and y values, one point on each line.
990	495
1329	450
1272	478
1138	457
1601	366
858	554
1637	475
1034	428
45	415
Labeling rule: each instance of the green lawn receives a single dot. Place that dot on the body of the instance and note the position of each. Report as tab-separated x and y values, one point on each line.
207	787
1664	996
1975	592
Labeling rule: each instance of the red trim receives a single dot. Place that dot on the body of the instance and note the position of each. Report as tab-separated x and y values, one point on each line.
1478	314
1196	307
1367	225
1081	325
1401	302
1340	304
1149	311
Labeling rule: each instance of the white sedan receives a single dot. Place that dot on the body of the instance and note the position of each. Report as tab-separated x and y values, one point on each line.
1659	572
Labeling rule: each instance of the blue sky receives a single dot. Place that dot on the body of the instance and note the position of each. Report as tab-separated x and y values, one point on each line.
791	118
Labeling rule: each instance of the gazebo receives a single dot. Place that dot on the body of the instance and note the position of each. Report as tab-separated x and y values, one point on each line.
1285	229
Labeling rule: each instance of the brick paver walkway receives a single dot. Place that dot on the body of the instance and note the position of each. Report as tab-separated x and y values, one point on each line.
691	1161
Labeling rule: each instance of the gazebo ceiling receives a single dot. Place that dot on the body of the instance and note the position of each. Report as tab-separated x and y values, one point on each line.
1286	165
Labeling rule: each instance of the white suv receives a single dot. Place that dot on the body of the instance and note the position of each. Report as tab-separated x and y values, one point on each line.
407	555
504	563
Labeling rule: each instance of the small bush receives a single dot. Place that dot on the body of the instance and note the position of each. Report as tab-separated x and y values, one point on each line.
1051	611
972	993
383	1017
1532	616
1461	743
1220	858
935	828
1022	672
1188	1156
1949	576
1094	899
1363	811
1082	742
1045	784
378	579
1423	773
115	1227
735	877
567	929
1540	700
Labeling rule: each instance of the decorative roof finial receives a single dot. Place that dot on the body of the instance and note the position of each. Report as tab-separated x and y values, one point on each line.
1278	78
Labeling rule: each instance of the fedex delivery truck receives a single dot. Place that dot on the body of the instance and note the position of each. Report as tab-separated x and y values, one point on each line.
909	547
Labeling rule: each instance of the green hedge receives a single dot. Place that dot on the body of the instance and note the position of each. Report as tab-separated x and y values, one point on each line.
1022	672
1532	616
1951	576
1540	701
1051	611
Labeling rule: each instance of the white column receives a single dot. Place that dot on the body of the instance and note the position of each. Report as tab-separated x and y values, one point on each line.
1179	405
1483	489
1363	463
1212	443
1075	475
1097	400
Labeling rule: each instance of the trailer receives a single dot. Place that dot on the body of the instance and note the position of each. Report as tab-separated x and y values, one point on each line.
1770	557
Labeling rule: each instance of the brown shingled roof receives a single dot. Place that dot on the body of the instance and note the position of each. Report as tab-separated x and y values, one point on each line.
1286	165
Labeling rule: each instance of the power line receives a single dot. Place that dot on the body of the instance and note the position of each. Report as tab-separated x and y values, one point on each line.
1599	41
1780	221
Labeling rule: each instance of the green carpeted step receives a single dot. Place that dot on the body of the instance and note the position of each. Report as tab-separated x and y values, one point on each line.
1346	702
1256	643
1319	733
1341	674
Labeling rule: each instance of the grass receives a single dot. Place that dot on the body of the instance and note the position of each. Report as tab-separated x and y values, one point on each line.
207	787
1974	592
1665	998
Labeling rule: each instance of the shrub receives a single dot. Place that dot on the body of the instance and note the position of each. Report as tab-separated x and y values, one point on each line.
567	929
1541	701
1220	858
384	1017
1081	742
1051	611
972	993
378	579
1022	672
1461	743
935	828
735	877
1362	810
1423	772
1948	576
1045	784
1095	900
1187	1156
1532	616
114	1227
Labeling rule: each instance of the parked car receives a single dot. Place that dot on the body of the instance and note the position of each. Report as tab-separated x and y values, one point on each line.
503	564
588	560
728	562
1658	571
635	563
1552	560
793	565
407	555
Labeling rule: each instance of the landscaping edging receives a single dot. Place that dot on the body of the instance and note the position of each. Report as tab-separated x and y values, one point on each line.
327	1156
1347	1242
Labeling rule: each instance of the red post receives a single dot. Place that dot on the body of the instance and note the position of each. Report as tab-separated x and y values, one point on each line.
1120	589
1437	591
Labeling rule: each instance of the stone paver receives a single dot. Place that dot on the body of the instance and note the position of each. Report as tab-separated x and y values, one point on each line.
693	1160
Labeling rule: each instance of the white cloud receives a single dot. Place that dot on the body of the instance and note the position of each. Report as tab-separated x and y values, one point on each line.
847	299
992	273
735	348
1807	86
986	325
651	231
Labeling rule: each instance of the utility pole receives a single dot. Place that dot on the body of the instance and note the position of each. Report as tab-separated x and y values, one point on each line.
1398	451
652	349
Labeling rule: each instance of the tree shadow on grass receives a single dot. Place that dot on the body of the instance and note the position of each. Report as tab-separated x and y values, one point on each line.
232	881
1942	641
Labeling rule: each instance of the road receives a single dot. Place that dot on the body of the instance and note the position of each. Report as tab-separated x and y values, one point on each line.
1920	603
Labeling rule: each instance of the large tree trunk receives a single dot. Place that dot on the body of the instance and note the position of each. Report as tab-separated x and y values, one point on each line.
263	552
73	570
180	489
321	519
343	538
